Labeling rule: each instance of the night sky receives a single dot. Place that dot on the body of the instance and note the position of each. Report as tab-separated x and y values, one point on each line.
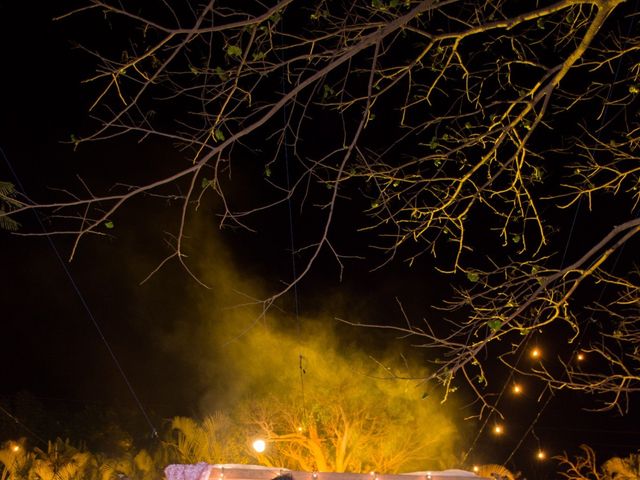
52	346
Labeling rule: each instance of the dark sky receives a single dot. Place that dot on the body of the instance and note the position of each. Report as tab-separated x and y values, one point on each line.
51	346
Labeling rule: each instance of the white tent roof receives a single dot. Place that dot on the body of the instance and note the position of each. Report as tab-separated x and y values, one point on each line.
206	471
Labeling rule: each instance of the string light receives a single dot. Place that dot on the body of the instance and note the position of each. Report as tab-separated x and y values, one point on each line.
580	356
536	353
476	468
540	455
16	448
517	388
498	429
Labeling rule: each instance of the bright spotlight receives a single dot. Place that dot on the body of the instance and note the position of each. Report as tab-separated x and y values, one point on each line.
259	445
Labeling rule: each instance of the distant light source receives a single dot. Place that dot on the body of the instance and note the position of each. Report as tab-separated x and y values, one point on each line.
16	448
498	429
517	389
259	445
541	455
580	357
476	468
536	353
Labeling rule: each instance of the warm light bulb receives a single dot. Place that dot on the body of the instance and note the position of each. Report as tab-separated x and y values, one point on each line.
498	429
259	445
536	353
476	468
16	448
541	455
517	389
580	357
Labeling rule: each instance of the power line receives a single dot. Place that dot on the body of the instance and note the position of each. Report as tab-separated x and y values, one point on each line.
84	303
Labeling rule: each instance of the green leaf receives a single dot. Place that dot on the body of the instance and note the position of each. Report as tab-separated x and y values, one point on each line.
234	51
219	135
327	91
267	171
473	276
494	325
220	73
108	224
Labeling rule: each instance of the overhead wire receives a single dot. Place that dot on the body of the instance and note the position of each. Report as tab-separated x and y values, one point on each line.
292	243
568	242
23	426
577	344
84	303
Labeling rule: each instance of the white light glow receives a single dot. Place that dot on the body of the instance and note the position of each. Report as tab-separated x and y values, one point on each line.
259	445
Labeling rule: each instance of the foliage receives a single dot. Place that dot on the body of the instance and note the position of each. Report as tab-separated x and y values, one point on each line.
348	416
361	433
494	471
585	467
471	131
8	202
216	439
63	461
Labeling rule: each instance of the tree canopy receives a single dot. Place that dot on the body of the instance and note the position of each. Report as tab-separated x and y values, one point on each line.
498	138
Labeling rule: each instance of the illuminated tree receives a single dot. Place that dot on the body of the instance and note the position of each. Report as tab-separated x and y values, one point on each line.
469	131
350	429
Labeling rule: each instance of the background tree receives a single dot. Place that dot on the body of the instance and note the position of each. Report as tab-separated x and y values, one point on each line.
473	132
350	429
585	467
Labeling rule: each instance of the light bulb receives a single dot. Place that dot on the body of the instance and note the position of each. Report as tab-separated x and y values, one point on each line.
259	445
